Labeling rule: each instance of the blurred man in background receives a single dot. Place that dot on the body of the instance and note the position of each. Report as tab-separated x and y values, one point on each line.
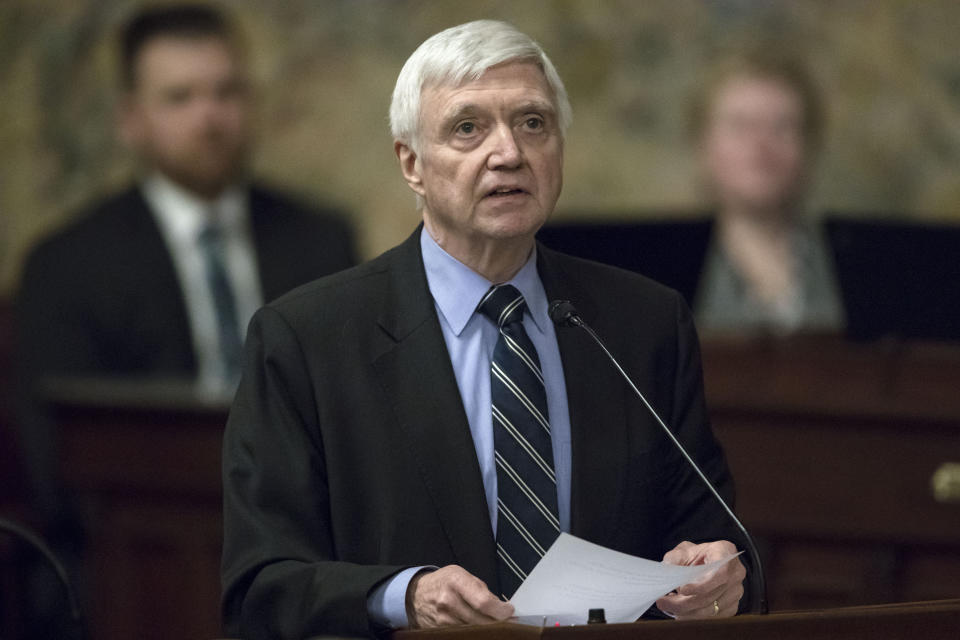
160	279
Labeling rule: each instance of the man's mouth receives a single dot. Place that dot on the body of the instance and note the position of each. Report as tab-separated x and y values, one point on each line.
501	192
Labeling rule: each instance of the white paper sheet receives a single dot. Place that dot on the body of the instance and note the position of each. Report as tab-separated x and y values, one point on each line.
575	576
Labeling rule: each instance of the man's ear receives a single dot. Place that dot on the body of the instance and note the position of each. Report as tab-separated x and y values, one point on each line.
409	166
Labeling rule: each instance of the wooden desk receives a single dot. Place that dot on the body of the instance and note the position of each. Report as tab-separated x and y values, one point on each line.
833	446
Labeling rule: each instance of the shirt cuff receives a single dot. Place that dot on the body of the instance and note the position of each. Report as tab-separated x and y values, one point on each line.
387	604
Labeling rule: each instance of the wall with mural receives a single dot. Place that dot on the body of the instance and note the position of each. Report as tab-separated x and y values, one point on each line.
325	70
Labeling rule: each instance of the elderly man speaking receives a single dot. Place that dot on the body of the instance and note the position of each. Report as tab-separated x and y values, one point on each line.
410	435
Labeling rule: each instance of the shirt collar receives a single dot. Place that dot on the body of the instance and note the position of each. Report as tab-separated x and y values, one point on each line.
185	214
457	289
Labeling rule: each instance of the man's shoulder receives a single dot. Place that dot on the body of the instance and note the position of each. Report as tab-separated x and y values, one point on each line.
349	292
99	223
294	208
111	205
107	211
602	278
610	298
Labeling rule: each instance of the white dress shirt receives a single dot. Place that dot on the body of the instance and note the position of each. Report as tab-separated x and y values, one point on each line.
181	216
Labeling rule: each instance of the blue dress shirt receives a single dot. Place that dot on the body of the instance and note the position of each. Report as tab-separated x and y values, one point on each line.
470	338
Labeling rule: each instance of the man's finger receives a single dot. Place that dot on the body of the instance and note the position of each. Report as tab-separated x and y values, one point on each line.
687	608
681	604
712	582
682	554
479	599
701	592
729	574
453	608
726	606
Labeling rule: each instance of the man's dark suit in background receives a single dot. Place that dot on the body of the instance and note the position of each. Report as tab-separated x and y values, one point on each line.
102	297
379	469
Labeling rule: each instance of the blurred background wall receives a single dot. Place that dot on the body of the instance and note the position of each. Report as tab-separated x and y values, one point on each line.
325	70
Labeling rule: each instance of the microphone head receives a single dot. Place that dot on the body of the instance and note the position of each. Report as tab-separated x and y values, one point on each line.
564	314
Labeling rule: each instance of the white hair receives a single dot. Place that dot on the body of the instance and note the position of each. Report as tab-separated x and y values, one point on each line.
461	53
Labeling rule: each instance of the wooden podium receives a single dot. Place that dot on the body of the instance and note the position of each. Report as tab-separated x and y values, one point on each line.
143	461
939	620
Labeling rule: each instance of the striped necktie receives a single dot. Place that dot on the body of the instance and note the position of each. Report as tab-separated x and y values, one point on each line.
527	522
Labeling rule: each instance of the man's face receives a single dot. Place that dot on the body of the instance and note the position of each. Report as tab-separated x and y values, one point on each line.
753	148
188	114
490	163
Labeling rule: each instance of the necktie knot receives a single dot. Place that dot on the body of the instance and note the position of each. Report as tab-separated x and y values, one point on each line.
210	236
503	304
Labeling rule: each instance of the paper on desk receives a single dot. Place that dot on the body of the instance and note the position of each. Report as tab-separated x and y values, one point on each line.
576	575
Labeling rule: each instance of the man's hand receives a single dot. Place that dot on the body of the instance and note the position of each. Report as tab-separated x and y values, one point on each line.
724	586
451	596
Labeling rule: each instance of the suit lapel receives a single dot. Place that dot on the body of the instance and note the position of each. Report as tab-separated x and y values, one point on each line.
417	377
264	226
162	307
272	242
595	394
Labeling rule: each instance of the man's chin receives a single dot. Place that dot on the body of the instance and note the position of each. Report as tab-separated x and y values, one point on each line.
514	226
208	184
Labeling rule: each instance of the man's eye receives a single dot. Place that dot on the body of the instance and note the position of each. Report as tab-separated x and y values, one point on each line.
176	96
466	128
231	90
534	123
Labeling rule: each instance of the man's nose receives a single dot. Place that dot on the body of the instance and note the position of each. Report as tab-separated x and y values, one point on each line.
506	153
209	110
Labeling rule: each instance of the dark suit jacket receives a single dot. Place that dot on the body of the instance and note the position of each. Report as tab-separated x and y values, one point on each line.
102	297
348	455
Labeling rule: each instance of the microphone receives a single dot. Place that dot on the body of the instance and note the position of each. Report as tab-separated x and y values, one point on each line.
564	314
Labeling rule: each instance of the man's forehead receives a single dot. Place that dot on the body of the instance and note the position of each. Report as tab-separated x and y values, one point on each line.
173	50
175	59
518	69
522	82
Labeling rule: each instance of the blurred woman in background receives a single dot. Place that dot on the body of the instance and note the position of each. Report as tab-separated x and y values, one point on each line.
758	124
